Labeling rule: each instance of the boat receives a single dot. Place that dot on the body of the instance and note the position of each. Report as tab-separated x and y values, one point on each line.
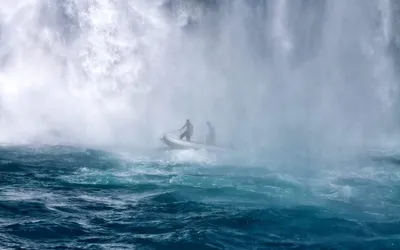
174	142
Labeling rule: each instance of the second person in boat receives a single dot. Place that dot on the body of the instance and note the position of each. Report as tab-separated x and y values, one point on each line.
210	139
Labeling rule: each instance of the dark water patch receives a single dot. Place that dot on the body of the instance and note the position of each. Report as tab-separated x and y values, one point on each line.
385	229
287	223
147	227
14	167
12	208
172	203
15	179
66	209
180	239
100	239
103	187
94	186
166	198
65	161
96	206
46	230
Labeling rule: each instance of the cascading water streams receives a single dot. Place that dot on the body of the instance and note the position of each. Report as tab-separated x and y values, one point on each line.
105	71
79	69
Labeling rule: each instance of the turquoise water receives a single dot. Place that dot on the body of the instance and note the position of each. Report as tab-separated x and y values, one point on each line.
76	198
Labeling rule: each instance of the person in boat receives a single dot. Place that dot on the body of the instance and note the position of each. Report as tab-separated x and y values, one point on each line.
188	132
210	139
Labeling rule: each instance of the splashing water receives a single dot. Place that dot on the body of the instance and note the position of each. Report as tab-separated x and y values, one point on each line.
125	72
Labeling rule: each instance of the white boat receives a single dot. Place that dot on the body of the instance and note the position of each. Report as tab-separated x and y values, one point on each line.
174	142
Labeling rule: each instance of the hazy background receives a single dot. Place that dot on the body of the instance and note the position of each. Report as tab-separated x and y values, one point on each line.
297	74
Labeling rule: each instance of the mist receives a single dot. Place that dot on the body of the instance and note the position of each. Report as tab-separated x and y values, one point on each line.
265	73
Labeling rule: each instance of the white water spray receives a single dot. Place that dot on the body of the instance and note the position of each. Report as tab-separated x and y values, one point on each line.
124	72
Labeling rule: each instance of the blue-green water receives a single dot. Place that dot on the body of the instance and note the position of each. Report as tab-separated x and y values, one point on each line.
73	198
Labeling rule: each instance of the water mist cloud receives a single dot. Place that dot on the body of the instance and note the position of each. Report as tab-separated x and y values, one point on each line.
265	73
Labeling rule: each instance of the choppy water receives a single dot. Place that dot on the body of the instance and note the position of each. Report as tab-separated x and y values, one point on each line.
72	198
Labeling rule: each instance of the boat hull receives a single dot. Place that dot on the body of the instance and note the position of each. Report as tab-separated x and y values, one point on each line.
175	143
